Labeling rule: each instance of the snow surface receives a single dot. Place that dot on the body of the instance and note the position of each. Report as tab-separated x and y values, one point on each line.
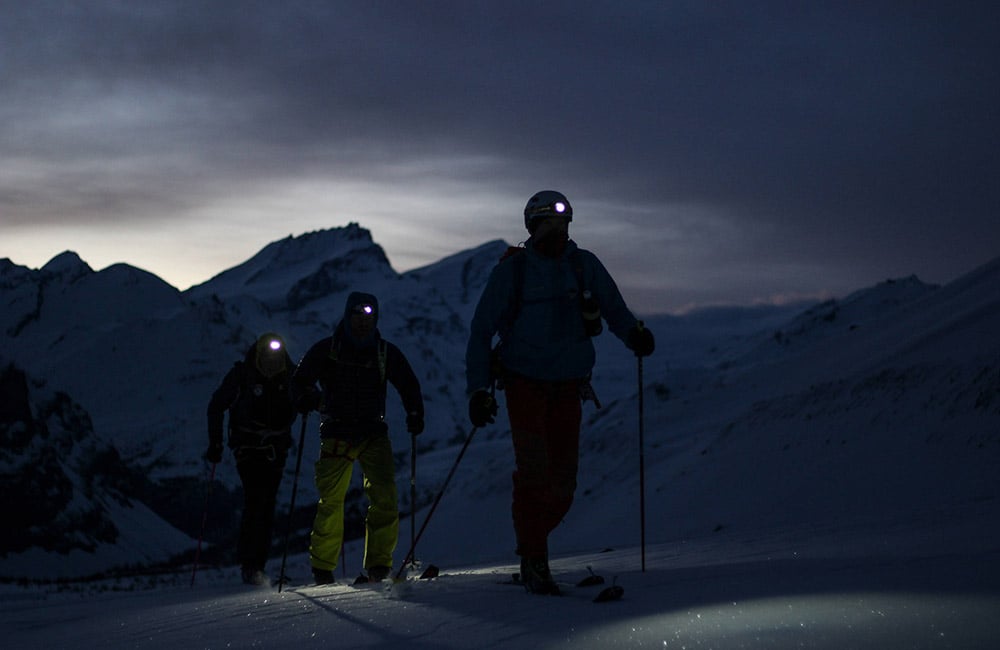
813	588
822	476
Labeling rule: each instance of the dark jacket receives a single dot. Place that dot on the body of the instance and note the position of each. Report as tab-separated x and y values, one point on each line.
260	408
352	376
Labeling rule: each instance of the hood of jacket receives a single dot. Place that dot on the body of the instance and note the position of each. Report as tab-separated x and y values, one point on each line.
359	298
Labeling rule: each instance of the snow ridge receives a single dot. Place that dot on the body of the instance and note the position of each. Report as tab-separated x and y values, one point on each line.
886	400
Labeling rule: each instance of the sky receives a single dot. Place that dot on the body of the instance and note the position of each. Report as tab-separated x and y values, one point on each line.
714	152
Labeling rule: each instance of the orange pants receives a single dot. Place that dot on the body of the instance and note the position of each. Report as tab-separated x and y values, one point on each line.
545	427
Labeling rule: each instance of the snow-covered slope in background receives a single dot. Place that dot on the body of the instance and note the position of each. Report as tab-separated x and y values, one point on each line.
870	411
879	408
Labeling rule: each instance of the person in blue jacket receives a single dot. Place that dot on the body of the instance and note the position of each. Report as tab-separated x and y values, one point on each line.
545	300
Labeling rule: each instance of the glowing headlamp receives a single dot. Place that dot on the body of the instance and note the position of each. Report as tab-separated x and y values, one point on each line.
559	208
364	309
274	344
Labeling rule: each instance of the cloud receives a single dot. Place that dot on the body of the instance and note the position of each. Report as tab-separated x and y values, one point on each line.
861	135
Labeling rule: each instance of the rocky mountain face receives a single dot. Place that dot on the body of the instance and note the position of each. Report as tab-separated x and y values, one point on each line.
49	454
66	494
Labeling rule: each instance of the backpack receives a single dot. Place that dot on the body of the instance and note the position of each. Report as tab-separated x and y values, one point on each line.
262	405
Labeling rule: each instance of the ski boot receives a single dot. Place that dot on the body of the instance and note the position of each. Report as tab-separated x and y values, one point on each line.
254	576
323	576
537	578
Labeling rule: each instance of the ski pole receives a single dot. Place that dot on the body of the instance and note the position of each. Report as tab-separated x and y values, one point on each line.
642	469
413	498
291	505
437	500
204	518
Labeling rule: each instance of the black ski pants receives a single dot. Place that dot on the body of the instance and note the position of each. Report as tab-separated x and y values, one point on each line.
260	471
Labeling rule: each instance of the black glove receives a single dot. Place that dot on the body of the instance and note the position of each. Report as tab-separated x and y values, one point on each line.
482	408
308	401
640	341
415	423
214	453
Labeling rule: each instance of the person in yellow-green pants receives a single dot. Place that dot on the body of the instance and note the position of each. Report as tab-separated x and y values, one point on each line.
352	368
333	477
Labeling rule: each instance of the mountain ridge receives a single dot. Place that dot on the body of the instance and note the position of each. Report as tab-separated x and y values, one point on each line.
900	360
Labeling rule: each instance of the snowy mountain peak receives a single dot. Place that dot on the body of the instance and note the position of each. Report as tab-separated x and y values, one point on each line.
463	274
13	275
68	266
859	309
268	275
890	293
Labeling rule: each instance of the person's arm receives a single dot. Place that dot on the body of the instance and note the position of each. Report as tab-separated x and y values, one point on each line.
484	326
305	395
222	400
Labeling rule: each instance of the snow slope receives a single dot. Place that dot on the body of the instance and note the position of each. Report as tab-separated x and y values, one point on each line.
822	475
816	589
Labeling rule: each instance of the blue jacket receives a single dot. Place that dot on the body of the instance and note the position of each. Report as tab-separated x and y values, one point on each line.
547	340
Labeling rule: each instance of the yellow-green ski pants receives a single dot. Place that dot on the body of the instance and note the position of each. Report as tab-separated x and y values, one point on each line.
333	478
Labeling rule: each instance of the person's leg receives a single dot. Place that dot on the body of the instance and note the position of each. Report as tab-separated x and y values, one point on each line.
382	520
260	476
563	429
545	427
333	477
526	411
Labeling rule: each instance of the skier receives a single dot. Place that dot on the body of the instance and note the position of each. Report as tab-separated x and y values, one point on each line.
256	393
352	368
545	301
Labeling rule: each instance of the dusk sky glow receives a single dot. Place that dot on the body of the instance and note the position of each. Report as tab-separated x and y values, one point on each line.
713	152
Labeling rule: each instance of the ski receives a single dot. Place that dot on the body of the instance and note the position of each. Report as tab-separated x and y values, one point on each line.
363	581
431	571
607	594
310	586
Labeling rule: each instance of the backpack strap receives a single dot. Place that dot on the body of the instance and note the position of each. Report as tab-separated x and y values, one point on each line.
383	354
520	261
516	257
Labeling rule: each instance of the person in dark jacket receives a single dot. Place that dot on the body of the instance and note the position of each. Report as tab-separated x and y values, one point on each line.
546	301
352	368
256	392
